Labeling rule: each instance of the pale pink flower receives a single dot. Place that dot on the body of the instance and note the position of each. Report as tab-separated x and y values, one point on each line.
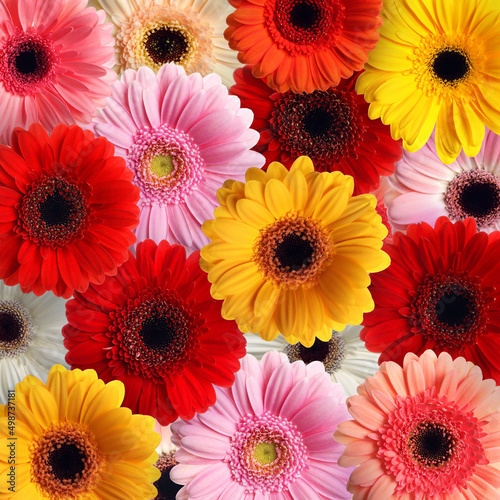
182	136
56	60
424	188
269	436
427	430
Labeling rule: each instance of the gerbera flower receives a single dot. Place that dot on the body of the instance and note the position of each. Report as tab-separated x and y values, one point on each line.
440	292
304	45
167	489
268	436
55	63
434	69
30	335
71	439
424	188
182	137
427	430
344	356
330	126
185	32
67	207
291	252
155	327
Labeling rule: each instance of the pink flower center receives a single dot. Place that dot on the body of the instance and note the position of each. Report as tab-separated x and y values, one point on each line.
298	25
167	165
267	453
451	310
54	211
153	333
27	63
474	193
431	446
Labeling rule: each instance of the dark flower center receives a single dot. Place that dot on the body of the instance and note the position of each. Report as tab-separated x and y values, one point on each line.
16	328
304	22
54	212
154	333
474	193
451	310
294	252
330	353
27	62
431	444
451	65
67	461
167	489
166	44
321	125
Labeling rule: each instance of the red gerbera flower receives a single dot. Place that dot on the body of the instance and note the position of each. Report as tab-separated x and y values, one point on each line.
441	292
303	45
155	327
67	210
331	127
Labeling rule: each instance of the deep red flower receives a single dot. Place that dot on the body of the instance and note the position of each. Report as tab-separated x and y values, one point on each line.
331	127
155	327
441	292
67	210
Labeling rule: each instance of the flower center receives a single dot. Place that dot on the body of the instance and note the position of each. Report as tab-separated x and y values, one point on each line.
450	65
27	63
267	453
321	125
54	211
65	461
293	251
431	444
330	353
167	489
166	44
167	165
153	334
451	310
16	328
297	24
474	193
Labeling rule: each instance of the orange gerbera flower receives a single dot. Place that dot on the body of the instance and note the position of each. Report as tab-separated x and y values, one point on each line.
304	44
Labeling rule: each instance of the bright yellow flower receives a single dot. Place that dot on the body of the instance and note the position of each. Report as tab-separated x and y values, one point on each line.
70	439
436	64
291	252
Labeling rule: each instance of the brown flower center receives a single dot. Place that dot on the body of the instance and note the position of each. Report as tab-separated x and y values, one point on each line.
167	44
16	328
431	444
167	489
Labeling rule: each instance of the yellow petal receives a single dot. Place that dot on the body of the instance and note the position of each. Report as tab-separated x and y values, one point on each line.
276	170
254	190
278	199
238	279
332	205
304	164
235	232
337	287
296	183
254	214
43	405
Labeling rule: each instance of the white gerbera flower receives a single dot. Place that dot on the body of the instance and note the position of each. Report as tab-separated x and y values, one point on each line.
187	32
344	356
31	341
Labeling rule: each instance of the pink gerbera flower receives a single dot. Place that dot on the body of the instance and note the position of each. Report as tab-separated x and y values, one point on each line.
182	136
56	60
269	436
429	430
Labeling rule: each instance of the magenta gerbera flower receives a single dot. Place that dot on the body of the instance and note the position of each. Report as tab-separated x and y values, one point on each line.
182	136
269	436
56	60
427	430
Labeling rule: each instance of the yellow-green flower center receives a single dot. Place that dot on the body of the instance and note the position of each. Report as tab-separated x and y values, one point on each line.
265	453
162	165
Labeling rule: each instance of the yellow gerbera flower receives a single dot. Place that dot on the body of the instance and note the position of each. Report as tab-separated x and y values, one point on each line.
70	439
291	252
436	64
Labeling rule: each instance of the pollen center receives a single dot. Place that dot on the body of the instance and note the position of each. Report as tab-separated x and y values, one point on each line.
162	165
265	453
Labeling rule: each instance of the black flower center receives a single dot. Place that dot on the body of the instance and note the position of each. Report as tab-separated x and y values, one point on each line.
166	44
453	307
27	61
10	327
294	252
56	210
322	125
158	333
304	15
317	352
67	461
451	65
167	489
431	444
480	199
